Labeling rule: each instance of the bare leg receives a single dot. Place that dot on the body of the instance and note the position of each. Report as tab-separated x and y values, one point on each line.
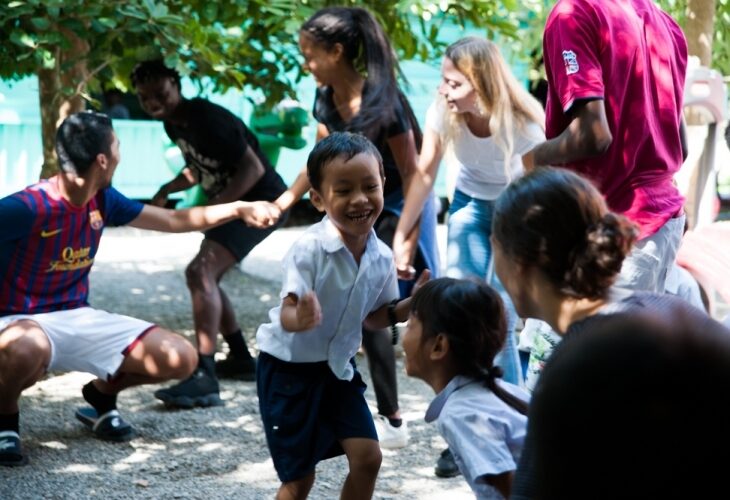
229	323
364	458
296	490
160	355
25	353
203	275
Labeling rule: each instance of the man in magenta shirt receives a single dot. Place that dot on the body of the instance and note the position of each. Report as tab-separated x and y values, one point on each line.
616	73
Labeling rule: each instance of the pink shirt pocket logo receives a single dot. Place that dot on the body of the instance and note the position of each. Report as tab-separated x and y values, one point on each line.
571	62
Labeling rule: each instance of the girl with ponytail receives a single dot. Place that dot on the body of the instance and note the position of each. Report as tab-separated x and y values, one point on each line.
455	329
356	71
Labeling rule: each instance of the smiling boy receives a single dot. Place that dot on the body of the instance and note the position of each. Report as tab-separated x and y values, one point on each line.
337	275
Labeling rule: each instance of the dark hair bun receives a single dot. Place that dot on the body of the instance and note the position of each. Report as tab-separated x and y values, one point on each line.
596	264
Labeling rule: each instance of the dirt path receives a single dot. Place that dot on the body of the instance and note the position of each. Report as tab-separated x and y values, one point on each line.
212	453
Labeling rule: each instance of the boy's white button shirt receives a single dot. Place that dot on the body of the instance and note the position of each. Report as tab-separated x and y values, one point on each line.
347	293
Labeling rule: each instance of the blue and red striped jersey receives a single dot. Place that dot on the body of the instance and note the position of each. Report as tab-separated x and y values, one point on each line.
47	246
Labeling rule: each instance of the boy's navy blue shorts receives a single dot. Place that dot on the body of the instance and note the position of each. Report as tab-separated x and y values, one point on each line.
307	411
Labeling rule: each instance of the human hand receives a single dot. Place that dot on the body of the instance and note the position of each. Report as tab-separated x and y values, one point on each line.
309	312
528	161
259	214
403	254
422	279
160	198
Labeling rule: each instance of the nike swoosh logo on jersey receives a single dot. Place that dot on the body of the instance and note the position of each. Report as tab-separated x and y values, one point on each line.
48	234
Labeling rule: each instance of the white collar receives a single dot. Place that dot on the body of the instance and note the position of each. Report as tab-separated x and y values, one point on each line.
456	383
332	240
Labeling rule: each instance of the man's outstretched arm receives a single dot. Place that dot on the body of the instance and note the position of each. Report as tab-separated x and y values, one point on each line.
257	214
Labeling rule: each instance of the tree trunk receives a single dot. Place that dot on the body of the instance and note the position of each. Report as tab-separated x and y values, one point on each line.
73	79
49	90
699	29
59	90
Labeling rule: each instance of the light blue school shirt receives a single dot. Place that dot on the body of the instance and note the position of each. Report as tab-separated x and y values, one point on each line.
484	433
347	293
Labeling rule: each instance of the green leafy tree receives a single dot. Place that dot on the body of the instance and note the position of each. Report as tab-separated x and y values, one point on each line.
706	24
74	45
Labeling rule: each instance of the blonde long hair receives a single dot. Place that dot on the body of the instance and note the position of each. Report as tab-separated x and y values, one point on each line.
500	96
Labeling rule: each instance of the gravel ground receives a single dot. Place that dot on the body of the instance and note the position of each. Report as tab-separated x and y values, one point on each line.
205	453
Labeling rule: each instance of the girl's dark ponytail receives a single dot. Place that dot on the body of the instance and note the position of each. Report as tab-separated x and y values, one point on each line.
382	71
490	377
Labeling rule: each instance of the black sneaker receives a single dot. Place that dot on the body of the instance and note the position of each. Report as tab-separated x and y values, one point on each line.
10	452
445	465
200	389
236	368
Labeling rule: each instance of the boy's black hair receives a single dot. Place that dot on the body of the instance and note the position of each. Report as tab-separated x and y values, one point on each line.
80	138
471	315
153	70
336	145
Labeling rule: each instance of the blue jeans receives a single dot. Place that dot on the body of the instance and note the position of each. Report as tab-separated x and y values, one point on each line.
469	254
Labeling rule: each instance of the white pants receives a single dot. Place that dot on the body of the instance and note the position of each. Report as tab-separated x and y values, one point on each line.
649	262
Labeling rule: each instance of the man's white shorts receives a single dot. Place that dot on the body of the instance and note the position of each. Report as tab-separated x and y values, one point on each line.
86	339
647	265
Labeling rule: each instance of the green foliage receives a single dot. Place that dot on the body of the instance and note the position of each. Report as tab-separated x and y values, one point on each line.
241	43
721	42
721	37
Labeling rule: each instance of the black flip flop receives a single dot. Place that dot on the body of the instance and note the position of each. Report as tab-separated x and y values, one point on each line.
110	426
10	452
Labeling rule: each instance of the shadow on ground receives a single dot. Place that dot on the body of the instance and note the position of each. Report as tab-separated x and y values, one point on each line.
204	453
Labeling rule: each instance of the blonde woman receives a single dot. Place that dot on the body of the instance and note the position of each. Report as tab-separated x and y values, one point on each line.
483	123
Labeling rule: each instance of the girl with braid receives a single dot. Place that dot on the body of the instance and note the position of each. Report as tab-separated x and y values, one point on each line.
455	329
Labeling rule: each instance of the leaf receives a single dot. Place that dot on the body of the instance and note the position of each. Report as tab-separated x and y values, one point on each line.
109	22
210	11
133	12
172	60
20	38
159	11
40	23
170	19
48	60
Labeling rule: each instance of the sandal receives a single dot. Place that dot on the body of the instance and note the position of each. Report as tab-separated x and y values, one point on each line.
10	453
110	426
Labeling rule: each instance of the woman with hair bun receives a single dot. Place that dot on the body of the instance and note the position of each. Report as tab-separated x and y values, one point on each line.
557	247
558	251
